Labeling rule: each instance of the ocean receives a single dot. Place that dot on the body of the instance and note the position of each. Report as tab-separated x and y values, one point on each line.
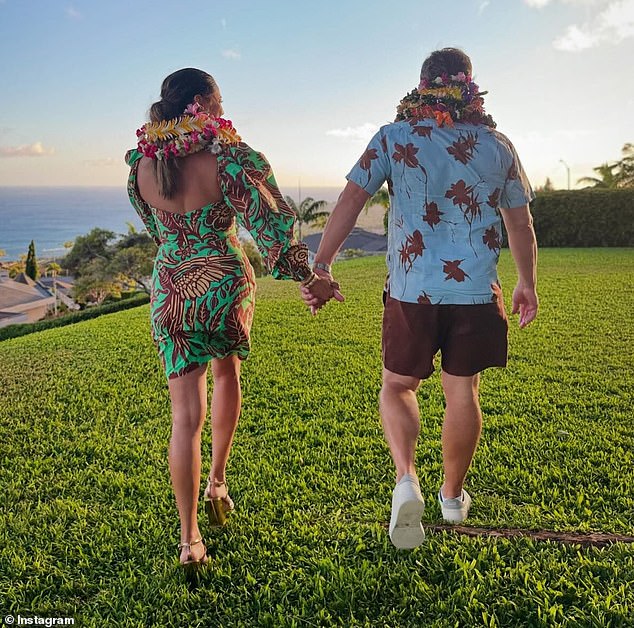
52	216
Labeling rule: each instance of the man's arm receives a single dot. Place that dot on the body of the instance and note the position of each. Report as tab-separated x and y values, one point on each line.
341	222
523	245
342	219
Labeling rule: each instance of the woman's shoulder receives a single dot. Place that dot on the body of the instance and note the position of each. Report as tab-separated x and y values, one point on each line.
132	156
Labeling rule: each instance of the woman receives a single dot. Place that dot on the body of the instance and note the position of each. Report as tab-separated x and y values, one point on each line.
191	177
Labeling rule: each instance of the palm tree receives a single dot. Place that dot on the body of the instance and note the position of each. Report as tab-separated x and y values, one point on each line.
626	167
54	268
607	179
380	197
308	211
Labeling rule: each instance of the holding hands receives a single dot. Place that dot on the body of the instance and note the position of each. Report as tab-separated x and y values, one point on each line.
319	288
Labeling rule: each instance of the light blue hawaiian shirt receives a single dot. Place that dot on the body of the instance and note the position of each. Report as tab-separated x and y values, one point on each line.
446	186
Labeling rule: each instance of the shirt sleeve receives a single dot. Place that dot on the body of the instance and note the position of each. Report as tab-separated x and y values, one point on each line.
517	190
132	158
249	187
373	167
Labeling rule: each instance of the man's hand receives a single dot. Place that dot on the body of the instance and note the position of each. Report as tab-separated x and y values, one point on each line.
525	302
320	292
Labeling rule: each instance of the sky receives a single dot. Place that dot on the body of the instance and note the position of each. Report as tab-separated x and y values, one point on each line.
307	83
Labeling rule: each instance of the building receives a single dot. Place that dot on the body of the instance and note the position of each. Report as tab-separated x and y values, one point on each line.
23	300
62	286
358	240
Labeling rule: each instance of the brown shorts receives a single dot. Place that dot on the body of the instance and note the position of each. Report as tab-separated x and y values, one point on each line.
470	337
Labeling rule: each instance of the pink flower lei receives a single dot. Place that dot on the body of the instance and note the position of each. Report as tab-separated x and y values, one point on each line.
447	99
187	134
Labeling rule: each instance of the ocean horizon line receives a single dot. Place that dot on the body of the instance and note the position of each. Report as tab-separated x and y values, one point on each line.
123	186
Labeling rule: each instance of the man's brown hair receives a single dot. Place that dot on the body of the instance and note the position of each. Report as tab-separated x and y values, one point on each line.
446	61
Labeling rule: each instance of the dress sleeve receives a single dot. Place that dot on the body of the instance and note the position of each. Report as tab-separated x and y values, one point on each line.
132	158
249	187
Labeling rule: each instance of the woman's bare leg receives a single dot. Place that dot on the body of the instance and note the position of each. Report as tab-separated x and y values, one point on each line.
225	411
189	407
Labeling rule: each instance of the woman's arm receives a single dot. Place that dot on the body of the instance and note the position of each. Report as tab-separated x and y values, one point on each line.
248	186
132	158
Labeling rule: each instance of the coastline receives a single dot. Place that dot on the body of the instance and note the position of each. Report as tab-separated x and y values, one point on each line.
53	216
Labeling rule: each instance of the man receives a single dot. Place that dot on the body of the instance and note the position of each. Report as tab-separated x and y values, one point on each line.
450	176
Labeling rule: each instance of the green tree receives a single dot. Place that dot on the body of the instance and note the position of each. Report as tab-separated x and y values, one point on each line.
133	263
607	177
626	167
53	268
95	283
94	245
30	268
547	187
309	211
380	197
15	268
132	258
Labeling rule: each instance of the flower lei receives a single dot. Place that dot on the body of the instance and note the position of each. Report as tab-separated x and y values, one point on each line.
446	99
185	135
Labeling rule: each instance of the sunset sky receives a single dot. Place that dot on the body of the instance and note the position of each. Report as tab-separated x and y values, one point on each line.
307	83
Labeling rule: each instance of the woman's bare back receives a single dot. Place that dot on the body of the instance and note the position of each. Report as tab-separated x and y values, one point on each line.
198	185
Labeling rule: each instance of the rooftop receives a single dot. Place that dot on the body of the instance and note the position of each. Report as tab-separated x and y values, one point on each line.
358	239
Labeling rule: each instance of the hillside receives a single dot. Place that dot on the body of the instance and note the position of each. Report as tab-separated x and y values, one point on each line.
88	527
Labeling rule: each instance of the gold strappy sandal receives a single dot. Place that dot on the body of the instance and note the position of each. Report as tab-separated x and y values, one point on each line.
192	566
217	508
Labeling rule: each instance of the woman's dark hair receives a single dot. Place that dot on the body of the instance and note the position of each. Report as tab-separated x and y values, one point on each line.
446	61
177	91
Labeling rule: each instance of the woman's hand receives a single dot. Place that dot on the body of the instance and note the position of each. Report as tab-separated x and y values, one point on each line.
320	291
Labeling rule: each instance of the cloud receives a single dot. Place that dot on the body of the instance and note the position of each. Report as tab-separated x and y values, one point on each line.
614	24
73	13
223	23
575	39
483	6
538	4
231	54
33	150
363	132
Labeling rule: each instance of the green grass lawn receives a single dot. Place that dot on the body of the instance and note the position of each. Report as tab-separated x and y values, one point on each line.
88	525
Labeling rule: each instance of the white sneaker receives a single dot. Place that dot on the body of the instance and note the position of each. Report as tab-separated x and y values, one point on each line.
456	509
406	531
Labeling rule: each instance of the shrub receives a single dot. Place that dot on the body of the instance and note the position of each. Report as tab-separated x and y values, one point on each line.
22	329
352	253
584	218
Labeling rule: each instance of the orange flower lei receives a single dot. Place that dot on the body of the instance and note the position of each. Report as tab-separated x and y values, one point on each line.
446	99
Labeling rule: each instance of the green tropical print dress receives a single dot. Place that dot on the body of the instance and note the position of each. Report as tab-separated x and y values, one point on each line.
203	286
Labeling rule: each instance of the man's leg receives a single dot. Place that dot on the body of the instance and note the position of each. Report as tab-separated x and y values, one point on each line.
460	430
401	424
401	419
